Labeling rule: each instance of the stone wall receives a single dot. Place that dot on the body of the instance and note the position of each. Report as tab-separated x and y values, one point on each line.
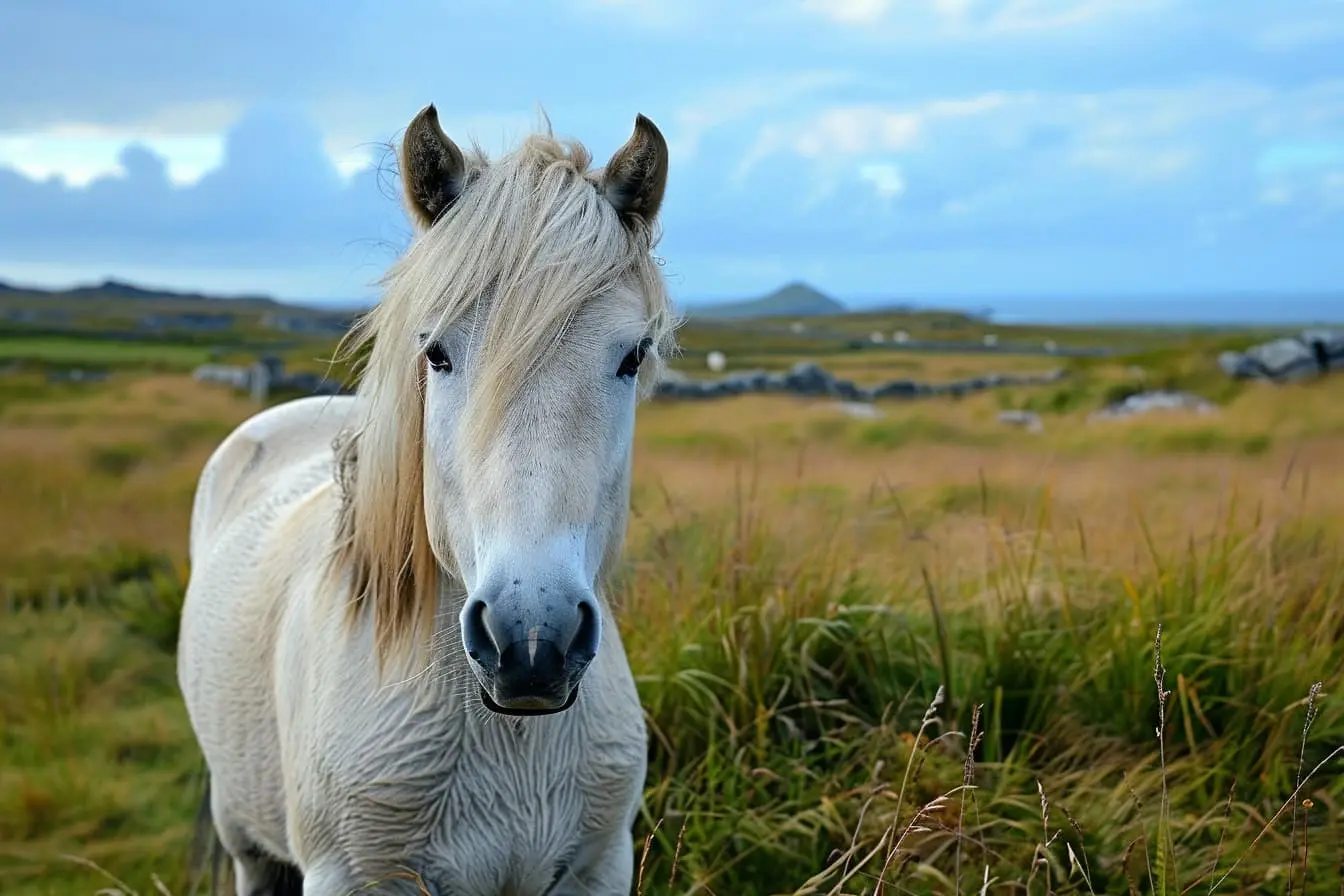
806	379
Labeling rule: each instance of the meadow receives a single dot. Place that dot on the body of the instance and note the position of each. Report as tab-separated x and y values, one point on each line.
919	651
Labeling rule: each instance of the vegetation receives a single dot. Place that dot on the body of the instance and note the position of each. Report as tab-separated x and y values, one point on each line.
920	653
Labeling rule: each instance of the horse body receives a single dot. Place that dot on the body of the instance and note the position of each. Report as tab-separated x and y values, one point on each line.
463	713
407	775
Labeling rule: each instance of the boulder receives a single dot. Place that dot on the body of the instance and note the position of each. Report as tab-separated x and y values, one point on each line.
1306	356
1160	400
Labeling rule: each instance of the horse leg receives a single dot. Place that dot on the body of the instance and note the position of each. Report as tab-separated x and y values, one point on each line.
255	873
260	875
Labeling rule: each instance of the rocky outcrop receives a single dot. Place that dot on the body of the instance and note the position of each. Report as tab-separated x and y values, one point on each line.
1311	354
808	380
1159	400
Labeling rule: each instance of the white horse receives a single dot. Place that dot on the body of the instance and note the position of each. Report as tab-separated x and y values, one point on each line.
395	650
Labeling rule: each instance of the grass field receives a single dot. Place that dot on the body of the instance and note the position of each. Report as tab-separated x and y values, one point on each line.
823	613
74	351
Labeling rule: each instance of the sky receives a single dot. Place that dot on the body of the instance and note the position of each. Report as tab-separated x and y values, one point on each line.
1038	157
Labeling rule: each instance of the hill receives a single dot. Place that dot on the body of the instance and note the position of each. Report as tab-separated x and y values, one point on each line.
115	307
795	299
111	290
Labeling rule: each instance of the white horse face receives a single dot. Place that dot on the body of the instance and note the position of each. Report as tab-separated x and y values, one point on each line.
530	512
526	489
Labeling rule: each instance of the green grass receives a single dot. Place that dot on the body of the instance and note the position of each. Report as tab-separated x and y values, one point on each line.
789	700
95	353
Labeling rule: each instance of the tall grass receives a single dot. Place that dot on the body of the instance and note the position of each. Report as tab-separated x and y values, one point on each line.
801	715
813	733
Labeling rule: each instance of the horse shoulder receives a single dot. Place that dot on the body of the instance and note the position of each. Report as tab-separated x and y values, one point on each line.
242	470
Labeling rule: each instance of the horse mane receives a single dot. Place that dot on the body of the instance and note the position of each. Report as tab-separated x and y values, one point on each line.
529	242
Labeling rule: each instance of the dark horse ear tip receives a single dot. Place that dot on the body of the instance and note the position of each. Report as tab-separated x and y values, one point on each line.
645	124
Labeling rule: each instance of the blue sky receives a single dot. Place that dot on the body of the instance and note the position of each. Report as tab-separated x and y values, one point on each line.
1007	153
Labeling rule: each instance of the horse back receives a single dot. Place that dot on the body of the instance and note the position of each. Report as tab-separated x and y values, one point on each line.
248	470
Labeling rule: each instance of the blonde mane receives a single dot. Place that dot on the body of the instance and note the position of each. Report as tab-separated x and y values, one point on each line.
529	243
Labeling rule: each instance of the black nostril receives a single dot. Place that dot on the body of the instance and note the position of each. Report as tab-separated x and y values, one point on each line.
584	646
476	637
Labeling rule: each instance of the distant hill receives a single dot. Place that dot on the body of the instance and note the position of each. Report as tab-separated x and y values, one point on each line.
792	300
119	290
115	306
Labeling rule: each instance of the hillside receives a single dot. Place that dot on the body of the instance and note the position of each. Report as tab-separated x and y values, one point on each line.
795	299
119	291
115	307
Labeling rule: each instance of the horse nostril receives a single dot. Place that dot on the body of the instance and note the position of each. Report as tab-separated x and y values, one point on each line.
583	647
476	637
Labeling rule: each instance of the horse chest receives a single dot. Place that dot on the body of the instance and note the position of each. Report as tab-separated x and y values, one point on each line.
494	807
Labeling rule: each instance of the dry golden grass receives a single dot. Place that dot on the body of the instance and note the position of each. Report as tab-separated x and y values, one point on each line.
115	464
928	476
118	464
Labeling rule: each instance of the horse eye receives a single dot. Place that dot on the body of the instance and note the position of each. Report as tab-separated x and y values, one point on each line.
438	358
630	363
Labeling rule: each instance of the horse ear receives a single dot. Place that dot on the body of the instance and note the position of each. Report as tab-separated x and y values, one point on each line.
636	176
433	169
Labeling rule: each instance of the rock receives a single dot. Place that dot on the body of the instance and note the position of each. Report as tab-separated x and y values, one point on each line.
808	379
897	389
1161	400
1025	419
1306	356
860	410
1327	346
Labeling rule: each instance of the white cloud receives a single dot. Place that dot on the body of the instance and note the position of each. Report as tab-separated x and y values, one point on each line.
732	103
974	18
849	12
885	177
80	155
855	130
1136	162
1128	162
1145	134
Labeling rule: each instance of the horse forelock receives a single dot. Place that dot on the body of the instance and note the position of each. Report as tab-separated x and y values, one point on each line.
527	246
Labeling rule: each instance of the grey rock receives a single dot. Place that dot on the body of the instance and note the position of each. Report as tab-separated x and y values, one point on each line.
1025	419
1160	400
1308	355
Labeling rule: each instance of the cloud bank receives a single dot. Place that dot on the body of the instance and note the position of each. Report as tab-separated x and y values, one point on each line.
880	147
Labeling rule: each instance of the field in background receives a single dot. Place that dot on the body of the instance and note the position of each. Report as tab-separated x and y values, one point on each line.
800	582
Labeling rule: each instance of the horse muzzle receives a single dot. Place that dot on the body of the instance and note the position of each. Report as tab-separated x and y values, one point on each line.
529	660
